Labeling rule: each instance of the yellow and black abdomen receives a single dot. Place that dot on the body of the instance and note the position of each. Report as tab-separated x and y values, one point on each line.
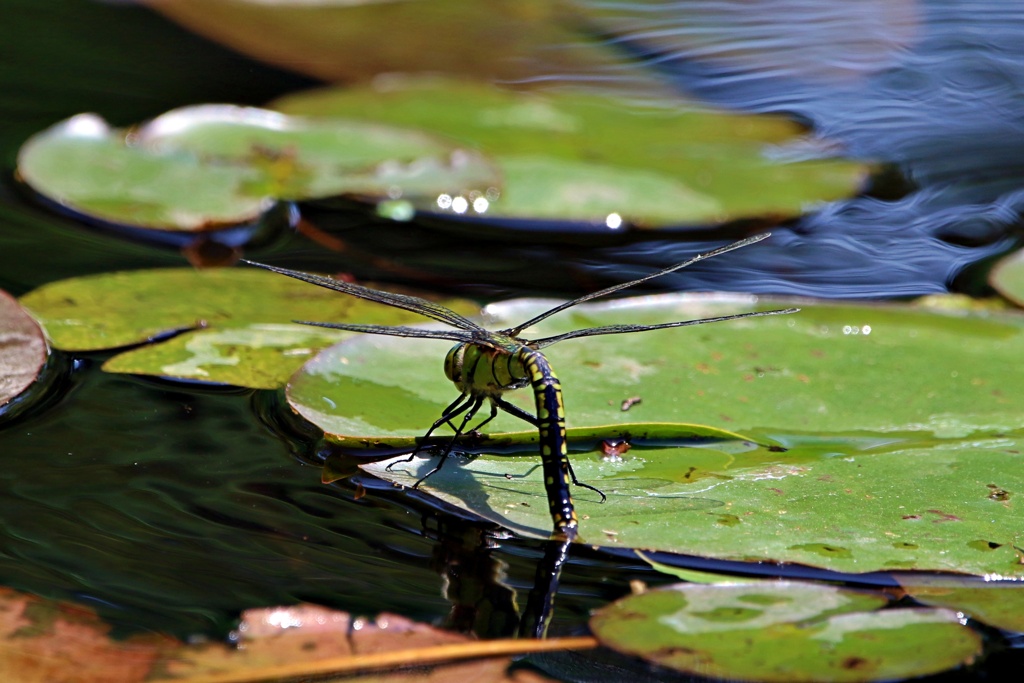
547	392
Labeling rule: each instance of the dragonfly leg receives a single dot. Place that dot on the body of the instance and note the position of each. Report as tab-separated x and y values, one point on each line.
577	482
494	414
448	413
453	410
515	411
475	403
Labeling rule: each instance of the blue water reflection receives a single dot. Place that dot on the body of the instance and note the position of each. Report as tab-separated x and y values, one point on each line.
936	88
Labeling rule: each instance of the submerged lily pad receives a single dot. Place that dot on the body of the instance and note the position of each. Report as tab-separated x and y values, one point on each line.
904	466
580	157
784	631
23	350
240	321
994	600
211	166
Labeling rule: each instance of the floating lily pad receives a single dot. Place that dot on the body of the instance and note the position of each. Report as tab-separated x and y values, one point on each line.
995	601
913	509
23	350
258	356
345	41
828	369
83	165
302	158
240	321
211	166
903	466
784	631
576	157
1007	277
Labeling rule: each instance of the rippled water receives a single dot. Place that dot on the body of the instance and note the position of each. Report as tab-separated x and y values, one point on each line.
172	509
936	88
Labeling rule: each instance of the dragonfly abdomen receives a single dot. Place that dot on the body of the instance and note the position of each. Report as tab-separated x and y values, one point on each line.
547	392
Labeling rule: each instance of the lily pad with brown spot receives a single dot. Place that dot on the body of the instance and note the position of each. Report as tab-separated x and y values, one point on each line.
784	631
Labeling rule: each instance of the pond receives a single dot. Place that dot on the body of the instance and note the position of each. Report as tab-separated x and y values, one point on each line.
169	504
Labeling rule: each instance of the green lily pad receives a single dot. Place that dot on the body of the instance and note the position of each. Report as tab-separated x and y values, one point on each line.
302	158
825	370
913	509
784	631
211	166
694	575
258	356
84	165
240	321
577	157
23	349
897	421
1007	277
995	601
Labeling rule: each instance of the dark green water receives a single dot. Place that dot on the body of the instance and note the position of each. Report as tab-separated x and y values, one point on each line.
172	509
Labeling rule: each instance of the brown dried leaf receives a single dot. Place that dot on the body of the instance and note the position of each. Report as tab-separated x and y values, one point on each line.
307	640
22	349
48	642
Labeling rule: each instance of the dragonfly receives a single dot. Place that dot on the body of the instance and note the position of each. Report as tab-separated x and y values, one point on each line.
485	364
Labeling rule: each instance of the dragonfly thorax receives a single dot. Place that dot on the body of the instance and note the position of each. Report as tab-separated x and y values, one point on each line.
485	369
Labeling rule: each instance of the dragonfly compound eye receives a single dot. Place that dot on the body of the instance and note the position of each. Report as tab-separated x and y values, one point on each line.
453	364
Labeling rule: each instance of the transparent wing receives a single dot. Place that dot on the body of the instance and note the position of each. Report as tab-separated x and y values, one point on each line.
403	301
391	331
624	329
515	331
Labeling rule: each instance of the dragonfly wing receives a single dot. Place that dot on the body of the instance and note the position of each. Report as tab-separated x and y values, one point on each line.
403	301
514	332
625	329
453	335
